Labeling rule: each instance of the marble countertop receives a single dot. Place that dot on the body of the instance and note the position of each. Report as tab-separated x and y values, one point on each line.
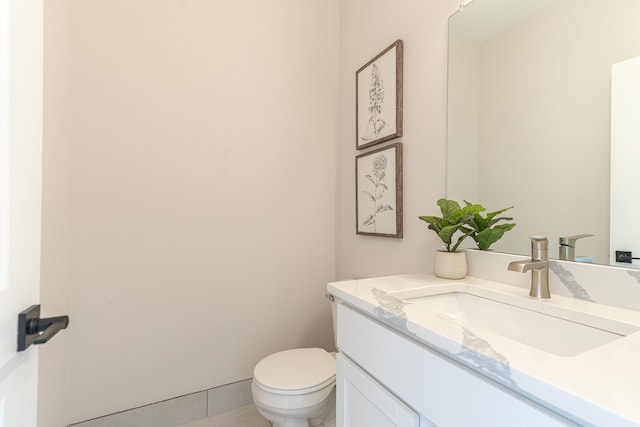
600	386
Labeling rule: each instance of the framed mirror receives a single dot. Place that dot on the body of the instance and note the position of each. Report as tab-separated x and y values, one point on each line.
529	114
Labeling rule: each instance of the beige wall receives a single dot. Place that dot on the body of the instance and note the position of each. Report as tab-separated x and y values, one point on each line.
207	163
368	26
201	206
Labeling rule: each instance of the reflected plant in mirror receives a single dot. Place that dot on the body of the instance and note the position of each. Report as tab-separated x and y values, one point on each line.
486	230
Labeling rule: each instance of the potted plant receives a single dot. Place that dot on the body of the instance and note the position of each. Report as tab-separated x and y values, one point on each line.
449	263
485	232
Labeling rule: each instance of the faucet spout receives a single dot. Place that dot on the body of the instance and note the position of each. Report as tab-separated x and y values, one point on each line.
539	267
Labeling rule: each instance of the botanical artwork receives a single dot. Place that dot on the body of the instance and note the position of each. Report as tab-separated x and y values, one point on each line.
377	176
379	98
376	123
379	192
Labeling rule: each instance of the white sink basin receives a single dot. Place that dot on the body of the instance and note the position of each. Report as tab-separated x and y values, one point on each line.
543	325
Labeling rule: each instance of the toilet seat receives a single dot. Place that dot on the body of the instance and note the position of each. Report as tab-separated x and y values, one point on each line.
297	371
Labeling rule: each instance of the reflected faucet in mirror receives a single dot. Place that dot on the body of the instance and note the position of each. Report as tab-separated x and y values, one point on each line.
568	246
539	267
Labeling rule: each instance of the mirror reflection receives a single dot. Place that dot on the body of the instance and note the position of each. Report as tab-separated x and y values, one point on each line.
530	115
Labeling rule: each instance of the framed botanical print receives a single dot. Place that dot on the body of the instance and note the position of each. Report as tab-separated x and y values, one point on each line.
379	98
379	192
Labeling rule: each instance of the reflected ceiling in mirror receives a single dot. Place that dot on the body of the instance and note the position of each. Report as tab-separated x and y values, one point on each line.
529	114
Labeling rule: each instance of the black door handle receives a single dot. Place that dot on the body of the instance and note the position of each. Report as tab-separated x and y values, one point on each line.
34	330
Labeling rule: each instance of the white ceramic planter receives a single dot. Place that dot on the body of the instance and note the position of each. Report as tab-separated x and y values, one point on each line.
450	265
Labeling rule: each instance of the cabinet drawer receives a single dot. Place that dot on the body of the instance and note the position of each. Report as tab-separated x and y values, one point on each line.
447	393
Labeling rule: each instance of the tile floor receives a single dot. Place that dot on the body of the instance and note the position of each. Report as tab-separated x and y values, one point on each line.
183	410
245	416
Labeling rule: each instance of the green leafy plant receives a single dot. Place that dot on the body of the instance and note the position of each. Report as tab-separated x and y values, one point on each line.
453	220
484	230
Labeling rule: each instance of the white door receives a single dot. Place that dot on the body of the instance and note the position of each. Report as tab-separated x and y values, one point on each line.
21	56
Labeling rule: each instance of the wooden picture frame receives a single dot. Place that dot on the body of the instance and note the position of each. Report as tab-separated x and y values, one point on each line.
379	97
379	192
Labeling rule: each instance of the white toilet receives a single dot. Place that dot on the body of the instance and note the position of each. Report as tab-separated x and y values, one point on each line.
296	388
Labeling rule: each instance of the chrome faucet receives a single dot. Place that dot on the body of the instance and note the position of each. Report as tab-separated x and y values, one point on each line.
568	246
539	266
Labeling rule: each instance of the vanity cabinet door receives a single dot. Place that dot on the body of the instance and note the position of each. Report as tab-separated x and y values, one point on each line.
363	402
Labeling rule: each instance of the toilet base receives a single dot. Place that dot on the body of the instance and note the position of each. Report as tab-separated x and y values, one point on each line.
291	423
322	415
303	423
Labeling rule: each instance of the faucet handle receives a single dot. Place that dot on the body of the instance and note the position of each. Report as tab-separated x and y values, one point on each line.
539	245
539	240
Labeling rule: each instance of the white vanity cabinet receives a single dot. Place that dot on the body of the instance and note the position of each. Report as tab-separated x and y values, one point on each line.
367	403
386	378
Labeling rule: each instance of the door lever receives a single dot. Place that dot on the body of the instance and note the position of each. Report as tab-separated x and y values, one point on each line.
34	330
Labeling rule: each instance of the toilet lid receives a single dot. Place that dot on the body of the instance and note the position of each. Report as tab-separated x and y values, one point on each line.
300	369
